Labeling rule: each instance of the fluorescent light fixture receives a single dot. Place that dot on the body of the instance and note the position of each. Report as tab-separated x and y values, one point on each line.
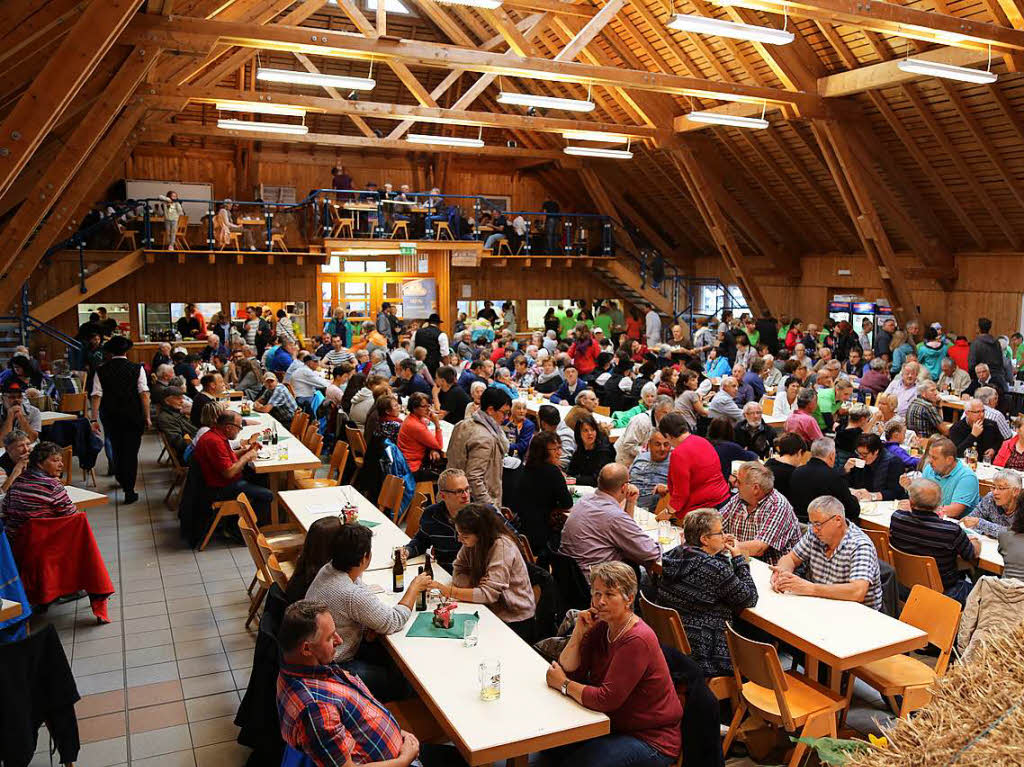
261	108
545	102
596	151
947	71
595	135
735	121
488	4
706	26
252	125
315	78
425	138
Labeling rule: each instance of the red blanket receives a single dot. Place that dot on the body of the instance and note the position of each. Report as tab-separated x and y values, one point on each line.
58	556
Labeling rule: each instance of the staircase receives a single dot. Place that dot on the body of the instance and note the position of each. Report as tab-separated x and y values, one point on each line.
10	337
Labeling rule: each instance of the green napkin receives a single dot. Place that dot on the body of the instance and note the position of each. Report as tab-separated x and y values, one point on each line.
368	523
424	626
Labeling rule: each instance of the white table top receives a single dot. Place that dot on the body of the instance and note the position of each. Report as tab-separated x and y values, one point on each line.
299	456
9	609
306	506
878	514
527	717
52	416
841	634
83	498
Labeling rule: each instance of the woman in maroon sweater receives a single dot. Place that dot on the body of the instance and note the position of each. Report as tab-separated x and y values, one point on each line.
614	664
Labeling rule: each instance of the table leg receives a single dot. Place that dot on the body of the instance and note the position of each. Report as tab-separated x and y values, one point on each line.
275	487
518	761
811	666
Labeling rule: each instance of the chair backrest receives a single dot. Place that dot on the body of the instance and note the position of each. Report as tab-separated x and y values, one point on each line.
663	504
881	540
667	625
182	225
172	454
355	441
246	511
936	614
299	423
280	577
602	410
290	388
73	403
308	434
249	535
768	405
389	500
316	444
759	662
526	549
66	455
413	514
912	570
339	457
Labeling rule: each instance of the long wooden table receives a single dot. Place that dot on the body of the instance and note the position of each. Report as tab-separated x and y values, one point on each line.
52	416
9	609
876	515
85	499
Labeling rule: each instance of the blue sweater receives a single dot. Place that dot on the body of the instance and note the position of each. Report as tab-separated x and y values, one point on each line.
566	394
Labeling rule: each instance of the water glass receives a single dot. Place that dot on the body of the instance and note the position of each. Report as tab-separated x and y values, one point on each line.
489	674
471	632
664	532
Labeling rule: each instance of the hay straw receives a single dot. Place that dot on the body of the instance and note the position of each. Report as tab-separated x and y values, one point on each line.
975	718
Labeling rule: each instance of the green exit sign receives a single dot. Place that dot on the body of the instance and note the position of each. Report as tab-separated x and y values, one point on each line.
407	249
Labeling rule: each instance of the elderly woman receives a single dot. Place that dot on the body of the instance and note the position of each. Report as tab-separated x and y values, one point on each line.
54	560
490	570
358	612
876	377
688	400
997	510
15	458
519	429
476	391
879	478
886	404
708	582
549	379
613	663
785	400
648	392
593	451
1011	454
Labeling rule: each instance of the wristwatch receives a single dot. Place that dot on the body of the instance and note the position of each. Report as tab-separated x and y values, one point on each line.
565	687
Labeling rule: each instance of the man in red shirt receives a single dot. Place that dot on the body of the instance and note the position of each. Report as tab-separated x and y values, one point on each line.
695	478
223	467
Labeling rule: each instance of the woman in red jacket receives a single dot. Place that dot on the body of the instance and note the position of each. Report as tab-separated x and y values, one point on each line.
1011	454
584	351
422	447
795	333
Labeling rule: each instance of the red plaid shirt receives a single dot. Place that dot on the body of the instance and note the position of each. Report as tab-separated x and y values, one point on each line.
771	521
330	716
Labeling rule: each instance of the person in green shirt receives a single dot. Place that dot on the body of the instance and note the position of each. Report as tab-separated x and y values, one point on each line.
784	325
568	321
1016	352
618	318
604	321
753	335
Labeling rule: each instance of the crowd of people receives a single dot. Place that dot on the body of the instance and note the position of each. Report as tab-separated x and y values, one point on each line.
674	425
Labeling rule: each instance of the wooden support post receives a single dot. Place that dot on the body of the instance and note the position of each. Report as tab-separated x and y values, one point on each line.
61	77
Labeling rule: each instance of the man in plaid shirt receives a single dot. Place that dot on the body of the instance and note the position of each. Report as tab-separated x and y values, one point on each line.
923	416
841	560
759	517
325	712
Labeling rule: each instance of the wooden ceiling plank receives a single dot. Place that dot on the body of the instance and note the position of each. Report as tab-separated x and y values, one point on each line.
57	83
664	36
358	121
52	19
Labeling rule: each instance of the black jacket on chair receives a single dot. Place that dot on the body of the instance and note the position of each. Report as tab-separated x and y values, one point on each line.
257	715
36	686
816	478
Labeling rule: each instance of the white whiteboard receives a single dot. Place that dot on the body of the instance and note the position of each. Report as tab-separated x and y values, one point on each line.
136	189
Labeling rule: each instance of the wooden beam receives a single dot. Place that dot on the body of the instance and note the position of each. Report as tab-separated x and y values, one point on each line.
171	96
60	78
48	20
703	196
184	31
358	121
887	73
76	148
850	179
553	6
63	219
101	280
590	30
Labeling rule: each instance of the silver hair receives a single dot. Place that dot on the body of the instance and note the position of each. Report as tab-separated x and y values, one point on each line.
476	385
13	436
618	575
446	475
981	365
926	385
986	394
728	380
649	388
585	393
698	523
924	494
893	427
164	370
805	397
827	504
877	364
823	447
759	474
663	401
750	406
1009	477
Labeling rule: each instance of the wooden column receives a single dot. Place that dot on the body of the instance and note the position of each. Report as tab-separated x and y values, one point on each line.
60	79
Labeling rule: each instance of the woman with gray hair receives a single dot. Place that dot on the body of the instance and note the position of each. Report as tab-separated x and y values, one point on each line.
708	582
997	510
613	663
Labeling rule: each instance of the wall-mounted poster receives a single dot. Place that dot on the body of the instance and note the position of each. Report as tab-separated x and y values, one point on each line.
495	202
419	298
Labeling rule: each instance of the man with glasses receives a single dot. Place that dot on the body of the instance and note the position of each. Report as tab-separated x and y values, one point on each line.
841	561
224	468
977	431
437	525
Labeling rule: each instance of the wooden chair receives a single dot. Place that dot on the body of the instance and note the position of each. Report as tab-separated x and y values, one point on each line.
127	235
280	571
792	701
290	388
427	488
308	433
335	470
442	227
526	549
73	403
768	405
263	577
357	445
299	423
602	410
389	500
232	238
913	570
881	540
413	514
67	454
404	226
224	510
181	234
939	616
285	540
278	239
664	504
178	474
503	245
339	224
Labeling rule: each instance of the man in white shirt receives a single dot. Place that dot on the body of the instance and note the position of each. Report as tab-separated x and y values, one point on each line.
306	381
336	388
653	326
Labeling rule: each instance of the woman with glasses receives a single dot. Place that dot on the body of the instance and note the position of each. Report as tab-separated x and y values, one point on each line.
997	510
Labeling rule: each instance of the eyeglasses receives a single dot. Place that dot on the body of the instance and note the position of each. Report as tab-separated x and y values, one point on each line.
456	491
819	525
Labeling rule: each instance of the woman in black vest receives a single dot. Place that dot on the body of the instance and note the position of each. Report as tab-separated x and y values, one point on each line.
120	400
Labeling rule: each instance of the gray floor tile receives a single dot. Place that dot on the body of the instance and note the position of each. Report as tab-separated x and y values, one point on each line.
98	664
211	706
220	729
222	755
147	610
208	684
147	656
203	665
157	672
95	683
147	639
104	753
196	647
157	742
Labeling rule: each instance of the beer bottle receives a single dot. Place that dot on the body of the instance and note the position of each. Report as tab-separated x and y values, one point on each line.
398	573
421	601
427	567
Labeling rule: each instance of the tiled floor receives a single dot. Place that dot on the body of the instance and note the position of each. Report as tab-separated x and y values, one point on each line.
161	683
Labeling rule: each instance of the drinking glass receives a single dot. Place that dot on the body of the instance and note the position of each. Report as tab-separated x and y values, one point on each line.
470	632
489	674
664	531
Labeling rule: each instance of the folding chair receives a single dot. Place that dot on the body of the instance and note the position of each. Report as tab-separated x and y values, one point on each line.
913	570
389	500
263	576
335	470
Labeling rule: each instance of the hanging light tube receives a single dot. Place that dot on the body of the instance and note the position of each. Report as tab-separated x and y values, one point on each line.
261	108
708	26
315	78
734	121
488	4
947	71
426	138
252	125
596	151
594	135
545	102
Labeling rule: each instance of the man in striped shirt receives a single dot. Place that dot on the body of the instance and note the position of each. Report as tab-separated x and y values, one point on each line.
922	532
337	354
